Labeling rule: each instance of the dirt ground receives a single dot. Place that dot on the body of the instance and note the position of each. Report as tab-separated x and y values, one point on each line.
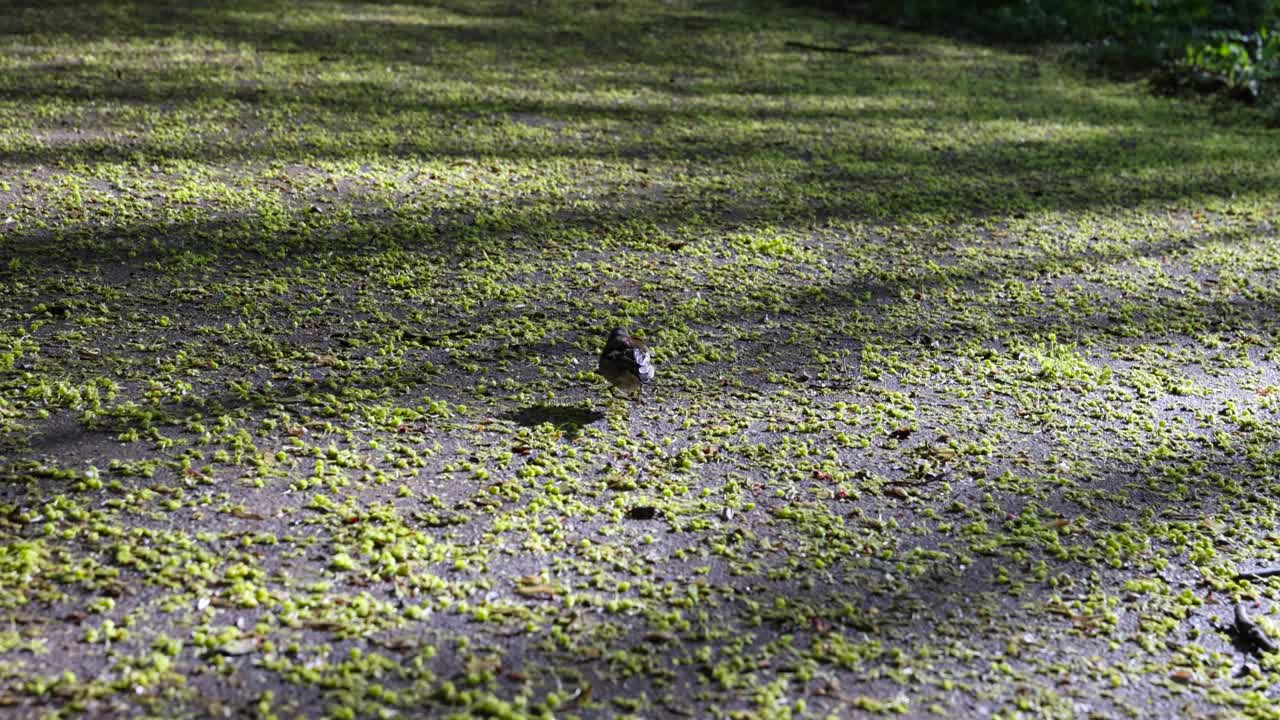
966	390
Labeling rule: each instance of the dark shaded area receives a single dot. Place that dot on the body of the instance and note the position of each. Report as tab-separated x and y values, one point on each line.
1037	21
568	419
1205	47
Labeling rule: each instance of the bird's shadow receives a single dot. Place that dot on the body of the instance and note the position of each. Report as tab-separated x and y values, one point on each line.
569	419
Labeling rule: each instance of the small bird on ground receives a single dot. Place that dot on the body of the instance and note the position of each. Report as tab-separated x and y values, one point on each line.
625	362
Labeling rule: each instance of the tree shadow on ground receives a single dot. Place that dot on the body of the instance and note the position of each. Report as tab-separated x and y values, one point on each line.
1104	156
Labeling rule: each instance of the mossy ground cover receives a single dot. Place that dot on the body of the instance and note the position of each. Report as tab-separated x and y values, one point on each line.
967	381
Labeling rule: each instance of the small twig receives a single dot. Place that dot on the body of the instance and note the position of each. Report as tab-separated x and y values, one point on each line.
846	50
820	48
1259	574
1251	632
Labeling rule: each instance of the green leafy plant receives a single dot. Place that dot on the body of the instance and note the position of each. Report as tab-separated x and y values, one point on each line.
1245	63
1191	45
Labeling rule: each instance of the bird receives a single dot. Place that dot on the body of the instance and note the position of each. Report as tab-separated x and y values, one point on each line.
625	362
